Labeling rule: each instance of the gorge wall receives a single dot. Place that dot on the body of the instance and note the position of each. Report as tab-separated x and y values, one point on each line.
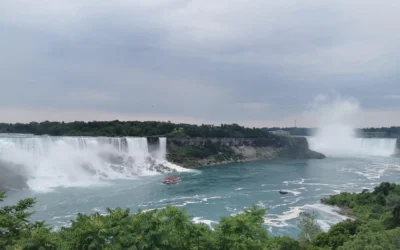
200	152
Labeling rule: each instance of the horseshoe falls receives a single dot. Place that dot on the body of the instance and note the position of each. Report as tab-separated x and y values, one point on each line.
353	147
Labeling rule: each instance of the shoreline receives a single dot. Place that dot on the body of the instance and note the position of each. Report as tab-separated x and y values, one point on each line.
223	163
346	212
342	210
198	164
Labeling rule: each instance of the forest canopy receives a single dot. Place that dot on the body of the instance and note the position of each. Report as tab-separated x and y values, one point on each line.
133	128
155	128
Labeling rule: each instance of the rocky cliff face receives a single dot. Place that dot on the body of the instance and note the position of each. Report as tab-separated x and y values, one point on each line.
199	152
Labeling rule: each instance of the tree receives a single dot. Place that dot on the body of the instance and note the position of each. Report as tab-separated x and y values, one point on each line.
383	240
383	188
172	228
337	235
241	232
133	128
16	230
394	219
283	243
309	228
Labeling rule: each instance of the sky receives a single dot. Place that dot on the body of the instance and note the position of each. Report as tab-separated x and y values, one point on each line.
257	63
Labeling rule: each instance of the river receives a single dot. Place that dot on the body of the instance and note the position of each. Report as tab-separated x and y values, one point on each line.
206	194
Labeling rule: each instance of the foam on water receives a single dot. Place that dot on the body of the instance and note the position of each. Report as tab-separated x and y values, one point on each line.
295	193
209	223
280	220
327	216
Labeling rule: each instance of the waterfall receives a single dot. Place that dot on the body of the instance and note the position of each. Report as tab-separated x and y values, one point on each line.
46	162
138	146
338	120
351	146
163	148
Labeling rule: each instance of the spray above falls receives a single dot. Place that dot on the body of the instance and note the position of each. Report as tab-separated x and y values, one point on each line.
336	134
45	162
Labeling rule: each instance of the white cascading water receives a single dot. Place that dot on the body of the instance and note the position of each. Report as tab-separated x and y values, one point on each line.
354	146
163	148
336	131
48	162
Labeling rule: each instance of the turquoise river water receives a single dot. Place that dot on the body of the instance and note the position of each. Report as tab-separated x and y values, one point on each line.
212	192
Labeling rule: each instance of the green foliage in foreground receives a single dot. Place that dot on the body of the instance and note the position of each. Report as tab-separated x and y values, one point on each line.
381	205
377	227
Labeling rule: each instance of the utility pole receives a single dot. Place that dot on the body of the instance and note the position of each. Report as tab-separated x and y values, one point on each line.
295	124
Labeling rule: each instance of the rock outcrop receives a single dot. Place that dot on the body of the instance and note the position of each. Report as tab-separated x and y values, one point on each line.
200	152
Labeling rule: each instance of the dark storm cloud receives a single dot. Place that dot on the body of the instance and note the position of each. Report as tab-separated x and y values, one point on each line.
222	61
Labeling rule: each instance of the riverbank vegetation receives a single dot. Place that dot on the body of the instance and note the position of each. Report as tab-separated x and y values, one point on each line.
188	155
377	227
133	128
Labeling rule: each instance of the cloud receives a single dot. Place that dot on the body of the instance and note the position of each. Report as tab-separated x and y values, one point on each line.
211	61
392	97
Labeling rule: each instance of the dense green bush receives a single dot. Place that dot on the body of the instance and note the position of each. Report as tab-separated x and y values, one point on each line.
383	240
337	235
377	211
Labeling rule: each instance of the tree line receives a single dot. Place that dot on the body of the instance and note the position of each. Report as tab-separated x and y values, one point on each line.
293	130
154	128
132	128
377	226
389	131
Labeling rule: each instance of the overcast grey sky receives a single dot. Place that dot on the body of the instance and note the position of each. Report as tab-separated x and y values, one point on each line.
257	63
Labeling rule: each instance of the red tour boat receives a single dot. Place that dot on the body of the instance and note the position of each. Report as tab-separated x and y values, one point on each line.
171	180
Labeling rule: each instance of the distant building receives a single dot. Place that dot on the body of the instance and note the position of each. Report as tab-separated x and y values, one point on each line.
280	132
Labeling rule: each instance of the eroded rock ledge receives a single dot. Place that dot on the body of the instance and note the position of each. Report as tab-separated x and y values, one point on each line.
201	152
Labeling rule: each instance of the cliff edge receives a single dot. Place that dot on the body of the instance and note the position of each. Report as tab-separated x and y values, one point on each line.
201	152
